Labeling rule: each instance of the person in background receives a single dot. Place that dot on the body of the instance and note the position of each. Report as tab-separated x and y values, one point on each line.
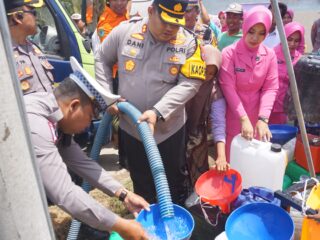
249	79
315	36
198	109
76	17
288	17
33	69
222	17
193	24
114	13
234	14
53	119
206	20
294	34
217	114
273	38
160	69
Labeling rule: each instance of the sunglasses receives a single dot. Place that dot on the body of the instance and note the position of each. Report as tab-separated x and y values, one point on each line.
32	11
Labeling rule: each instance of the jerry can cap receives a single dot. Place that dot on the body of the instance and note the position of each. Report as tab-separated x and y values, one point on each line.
275	147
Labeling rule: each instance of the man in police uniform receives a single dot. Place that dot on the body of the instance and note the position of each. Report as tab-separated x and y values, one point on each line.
33	68
69	109
160	69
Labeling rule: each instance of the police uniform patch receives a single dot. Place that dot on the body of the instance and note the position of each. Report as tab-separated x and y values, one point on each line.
130	65
28	70
174	59
133	52
20	73
144	28
173	70
197	70
194	67
25	85
180	39
37	50
101	32
137	36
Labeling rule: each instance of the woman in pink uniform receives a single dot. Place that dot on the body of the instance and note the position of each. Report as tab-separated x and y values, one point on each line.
294	34
249	79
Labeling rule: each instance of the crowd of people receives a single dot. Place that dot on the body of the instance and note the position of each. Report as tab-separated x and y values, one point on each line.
187	74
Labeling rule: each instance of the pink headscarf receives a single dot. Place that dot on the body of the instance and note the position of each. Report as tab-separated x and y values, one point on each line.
290	12
221	13
258	14
225	27
292	27
289	29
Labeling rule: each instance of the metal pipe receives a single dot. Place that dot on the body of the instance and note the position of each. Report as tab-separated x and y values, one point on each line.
293	86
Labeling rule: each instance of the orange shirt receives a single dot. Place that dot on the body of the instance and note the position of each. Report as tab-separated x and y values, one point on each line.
107	21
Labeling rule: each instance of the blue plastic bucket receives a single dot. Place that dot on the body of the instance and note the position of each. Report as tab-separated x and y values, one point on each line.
178	228
282	133
259	221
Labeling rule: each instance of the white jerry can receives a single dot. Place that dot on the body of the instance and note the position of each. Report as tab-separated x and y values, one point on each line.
259	163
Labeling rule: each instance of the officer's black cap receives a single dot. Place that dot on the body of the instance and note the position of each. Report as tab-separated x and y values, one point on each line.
172	11
12	4
192	4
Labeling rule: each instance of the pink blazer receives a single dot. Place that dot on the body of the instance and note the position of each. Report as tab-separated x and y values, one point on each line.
249	83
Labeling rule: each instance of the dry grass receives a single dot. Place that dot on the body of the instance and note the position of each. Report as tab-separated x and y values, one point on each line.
61	220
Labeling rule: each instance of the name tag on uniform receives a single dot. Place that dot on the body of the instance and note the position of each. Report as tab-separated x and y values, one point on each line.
239	69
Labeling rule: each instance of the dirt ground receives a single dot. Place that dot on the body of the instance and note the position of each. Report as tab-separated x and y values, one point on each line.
109	157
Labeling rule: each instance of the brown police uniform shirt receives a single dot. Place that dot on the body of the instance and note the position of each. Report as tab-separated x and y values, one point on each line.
52	159
150	73
33	69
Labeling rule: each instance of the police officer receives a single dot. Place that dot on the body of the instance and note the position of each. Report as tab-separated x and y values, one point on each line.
33	68
69	109
160	69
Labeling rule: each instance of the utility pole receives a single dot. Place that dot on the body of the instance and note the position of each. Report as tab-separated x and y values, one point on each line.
23	209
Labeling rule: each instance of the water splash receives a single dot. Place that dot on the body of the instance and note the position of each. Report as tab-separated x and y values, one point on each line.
175	228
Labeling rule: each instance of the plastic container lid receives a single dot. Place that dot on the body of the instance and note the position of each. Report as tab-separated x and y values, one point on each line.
275	147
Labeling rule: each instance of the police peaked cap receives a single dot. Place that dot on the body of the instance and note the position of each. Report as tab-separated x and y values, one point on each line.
172	11
90	86
11	4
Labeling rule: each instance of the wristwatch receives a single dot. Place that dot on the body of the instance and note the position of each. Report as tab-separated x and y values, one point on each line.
263	119
123	195
159	116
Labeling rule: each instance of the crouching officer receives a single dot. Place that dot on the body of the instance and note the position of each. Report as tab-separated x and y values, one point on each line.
33	68
160	69
69	109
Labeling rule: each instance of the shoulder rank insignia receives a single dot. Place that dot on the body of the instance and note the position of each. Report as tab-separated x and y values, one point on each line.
37	50
137	36
180	39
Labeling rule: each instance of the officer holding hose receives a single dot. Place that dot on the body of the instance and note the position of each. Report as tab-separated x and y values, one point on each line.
160	69
53	117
